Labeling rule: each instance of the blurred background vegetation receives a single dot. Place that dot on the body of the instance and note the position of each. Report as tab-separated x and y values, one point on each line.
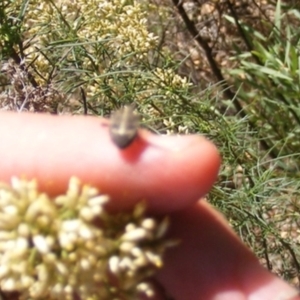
226	69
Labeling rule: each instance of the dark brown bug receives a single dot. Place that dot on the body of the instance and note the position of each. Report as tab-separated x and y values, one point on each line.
123	127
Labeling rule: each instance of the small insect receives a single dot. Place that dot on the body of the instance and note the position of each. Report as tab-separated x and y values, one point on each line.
123	128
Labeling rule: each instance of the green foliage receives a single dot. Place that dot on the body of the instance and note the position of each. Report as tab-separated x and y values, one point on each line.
101	49
269	83
265	209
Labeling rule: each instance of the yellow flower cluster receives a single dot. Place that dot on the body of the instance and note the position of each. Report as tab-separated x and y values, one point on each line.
168	78
118	26
52	248
123	25
103	46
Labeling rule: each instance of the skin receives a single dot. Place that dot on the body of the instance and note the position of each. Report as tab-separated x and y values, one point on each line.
170	173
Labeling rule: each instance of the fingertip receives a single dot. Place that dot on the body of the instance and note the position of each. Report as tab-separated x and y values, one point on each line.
183	169
168	172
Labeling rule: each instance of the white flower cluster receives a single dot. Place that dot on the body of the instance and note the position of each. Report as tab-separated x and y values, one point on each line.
172	128
108	41
117	25
53	249
168	78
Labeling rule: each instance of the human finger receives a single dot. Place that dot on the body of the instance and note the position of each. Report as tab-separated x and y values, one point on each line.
168	173
211	263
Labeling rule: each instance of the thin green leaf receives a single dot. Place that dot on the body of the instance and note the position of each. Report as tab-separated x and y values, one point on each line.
277	17
287	60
